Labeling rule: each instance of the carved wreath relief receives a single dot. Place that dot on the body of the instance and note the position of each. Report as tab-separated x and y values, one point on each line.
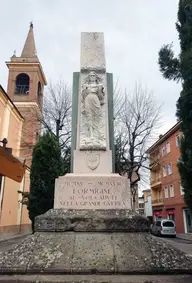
92	130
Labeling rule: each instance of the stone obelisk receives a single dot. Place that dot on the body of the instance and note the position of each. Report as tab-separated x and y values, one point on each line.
92	183
92	131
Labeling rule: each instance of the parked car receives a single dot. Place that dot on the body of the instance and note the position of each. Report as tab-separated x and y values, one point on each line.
163	227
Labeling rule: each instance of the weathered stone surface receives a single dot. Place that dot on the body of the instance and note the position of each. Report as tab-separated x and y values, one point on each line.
92	191
38	251
91	220
92	51
139	255
88	253
96	278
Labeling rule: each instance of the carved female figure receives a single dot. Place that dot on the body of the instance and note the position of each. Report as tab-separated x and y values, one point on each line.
93	99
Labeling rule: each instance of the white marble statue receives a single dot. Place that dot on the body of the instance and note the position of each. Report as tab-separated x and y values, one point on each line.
92	132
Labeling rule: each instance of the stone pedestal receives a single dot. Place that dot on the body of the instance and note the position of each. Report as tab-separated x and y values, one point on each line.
92	191
110	220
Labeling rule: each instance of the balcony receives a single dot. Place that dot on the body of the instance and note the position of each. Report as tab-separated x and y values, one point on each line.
156	182
154	163
157	202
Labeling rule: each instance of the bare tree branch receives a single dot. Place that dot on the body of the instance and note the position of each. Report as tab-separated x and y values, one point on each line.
136	124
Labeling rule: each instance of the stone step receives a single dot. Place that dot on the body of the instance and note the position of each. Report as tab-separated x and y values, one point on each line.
97	278
93	253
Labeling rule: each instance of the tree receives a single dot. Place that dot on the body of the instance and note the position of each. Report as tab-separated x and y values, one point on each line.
57	112
57	118
135	126
46	166
180	69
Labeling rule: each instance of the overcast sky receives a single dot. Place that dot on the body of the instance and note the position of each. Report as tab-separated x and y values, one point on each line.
134	32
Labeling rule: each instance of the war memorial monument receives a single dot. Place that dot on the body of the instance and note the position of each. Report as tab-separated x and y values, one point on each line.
92	228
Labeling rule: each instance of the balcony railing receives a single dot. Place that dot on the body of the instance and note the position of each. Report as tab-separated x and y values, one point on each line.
157	201
154	164
155	180
22	89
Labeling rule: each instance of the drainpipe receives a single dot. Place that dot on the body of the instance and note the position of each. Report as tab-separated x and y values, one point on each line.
20	221
2	179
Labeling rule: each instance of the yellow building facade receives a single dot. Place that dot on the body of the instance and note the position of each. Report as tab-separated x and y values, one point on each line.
20	114
13	215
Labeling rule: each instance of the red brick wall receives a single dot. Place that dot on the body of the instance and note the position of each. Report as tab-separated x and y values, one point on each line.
176	202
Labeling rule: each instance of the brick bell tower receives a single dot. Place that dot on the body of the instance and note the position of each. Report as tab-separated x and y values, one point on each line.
26	83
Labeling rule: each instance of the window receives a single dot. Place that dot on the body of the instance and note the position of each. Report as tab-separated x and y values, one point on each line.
168	224
169	168
171	191
39	94
141	205
181	189
166	192
164	171
22	84
178	140
168	146
163	151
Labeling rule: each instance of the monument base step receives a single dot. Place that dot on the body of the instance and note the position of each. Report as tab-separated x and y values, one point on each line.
96	278
57	220
89	253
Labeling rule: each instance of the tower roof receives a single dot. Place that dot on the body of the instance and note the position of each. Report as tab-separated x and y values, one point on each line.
28	58
29	49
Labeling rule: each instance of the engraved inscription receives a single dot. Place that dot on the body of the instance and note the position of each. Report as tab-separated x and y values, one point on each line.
92	195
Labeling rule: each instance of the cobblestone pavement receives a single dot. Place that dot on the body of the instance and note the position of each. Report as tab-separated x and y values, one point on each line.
184	245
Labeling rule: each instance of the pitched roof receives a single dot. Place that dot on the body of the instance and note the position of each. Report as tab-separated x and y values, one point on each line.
162	138
29	49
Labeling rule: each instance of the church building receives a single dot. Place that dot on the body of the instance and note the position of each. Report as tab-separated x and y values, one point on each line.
20	126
